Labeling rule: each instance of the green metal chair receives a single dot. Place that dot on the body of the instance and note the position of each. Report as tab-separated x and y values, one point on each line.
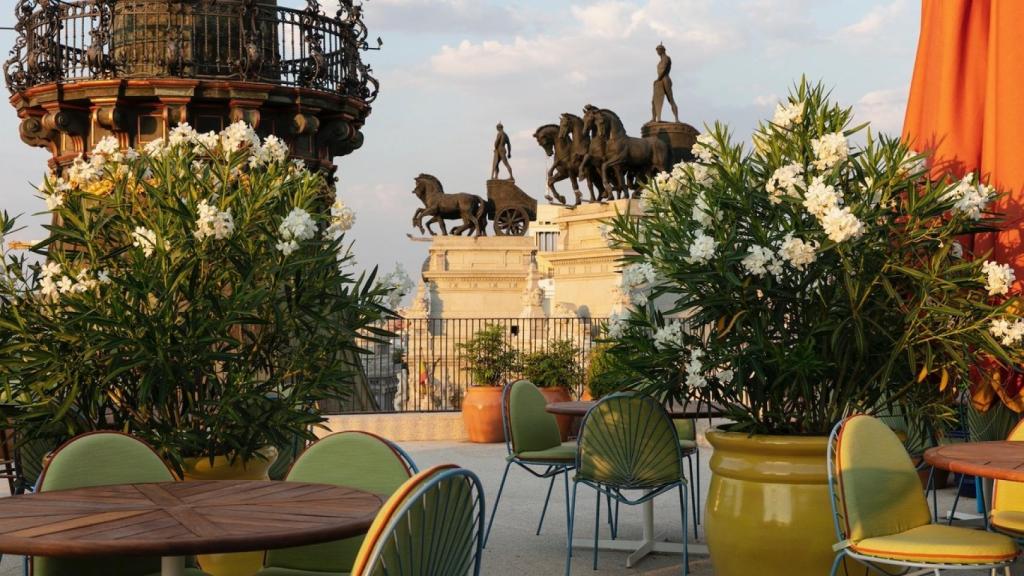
628	442
433	525
881	516
690	450
100	459
533	442
353	459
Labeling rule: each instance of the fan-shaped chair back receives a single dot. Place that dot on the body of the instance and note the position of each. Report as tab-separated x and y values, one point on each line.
100	459
877	491
433	524
1010	495
528	426
352	459
627	440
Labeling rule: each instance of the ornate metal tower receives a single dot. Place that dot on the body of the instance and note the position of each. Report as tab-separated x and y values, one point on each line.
84	69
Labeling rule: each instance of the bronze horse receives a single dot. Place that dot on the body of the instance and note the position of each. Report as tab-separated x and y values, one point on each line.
627	156
559	148
572	125
441	206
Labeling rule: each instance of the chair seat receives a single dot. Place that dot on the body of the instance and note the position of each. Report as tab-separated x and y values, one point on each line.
1008	521
936	543
290	572
564	454
687	445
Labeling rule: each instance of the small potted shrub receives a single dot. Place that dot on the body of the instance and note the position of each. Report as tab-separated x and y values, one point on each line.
489	359
601	379
554	370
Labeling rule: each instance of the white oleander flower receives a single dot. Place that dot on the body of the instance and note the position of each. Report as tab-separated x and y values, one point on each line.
65	285
665	185
82	173
829	150
788	114
342	217
797	252
206	143
783	182
702	214
820	198
213	222
956	250
760	260
144	238
702	248
48	288
182	134
273	150
616	326
53	201
694	370
999	277
638	274
239	136
726	376
704	148
971	198
840	224
107	146
669	336
103	277
296	227
50	269
155	148
1009	333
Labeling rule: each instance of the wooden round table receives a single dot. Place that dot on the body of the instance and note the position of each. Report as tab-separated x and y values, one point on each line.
178	519
999	460
581	407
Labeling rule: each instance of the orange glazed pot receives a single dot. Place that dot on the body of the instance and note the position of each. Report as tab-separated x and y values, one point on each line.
559	394
481	413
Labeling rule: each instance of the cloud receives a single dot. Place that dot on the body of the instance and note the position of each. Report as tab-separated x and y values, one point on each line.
471	17
873	24
883	108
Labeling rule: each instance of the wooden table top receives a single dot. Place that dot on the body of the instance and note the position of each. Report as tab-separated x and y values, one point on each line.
182	518
1000	460
580	408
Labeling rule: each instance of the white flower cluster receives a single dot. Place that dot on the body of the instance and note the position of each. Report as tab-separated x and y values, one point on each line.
1000	277
636	281
694	370
669	337
760	260
702	214
83	172
58	187
342	218
213	222
825	204
239	136
273	150
829	150
702	248
784	182
1009	333
50	286
971	197
786	115
912	163
704	148
797	252
821	197
296	227
182	134
144	238
616	326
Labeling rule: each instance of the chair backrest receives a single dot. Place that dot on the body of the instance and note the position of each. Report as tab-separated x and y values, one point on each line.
1009	495
528	426
100	459
875	489
627	440
352	459
433	524
686	428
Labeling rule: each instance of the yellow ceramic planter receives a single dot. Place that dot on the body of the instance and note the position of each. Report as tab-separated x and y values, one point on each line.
768	508
243	563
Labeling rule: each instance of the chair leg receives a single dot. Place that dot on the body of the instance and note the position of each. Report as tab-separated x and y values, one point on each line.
568	513
572	524
597	526
546	500
686	546
494	509
935	498
835	564
615	523
697	509
956	499
693	493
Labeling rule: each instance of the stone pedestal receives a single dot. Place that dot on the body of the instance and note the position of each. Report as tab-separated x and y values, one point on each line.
679	138
481	277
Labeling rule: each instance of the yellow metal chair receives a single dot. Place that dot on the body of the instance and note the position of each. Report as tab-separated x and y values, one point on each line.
1007	514
881	515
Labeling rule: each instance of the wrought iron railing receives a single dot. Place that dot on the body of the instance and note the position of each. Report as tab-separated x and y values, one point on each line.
64	41
421	368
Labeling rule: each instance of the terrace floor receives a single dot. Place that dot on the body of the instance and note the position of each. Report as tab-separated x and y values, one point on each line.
515	550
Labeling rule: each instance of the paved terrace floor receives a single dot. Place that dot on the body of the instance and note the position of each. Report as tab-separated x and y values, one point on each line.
514	550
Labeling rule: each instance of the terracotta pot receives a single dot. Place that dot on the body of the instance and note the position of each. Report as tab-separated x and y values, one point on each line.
587	396
769	497
560	394
242	563
481	413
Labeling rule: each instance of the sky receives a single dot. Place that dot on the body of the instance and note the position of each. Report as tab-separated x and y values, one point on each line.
451	69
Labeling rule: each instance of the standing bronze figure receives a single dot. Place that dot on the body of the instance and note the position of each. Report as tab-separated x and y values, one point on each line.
441	206
502	152
663	87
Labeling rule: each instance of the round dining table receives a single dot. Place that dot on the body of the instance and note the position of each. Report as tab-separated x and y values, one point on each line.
650	541
998	460
174	520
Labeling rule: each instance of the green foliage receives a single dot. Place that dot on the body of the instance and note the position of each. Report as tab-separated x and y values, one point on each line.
602	377
816	279
171	300
489	357
557	365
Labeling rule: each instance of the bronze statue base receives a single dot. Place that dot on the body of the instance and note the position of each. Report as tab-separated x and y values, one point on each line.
678	136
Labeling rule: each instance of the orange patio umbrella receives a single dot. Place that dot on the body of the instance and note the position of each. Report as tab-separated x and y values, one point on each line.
966	106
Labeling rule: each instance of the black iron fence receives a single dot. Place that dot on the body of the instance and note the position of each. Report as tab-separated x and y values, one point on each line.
421	369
